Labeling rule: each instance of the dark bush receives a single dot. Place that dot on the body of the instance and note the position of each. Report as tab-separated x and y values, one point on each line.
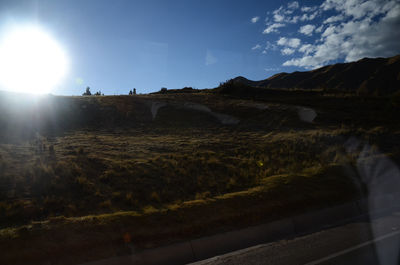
87	92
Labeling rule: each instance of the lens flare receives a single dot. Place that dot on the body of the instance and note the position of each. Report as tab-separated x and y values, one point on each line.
30	60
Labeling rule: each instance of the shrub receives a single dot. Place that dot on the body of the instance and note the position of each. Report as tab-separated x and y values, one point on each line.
233	87
106	204
155	197
84	185
87	92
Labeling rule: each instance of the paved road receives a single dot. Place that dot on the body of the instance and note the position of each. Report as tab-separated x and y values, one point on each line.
361	242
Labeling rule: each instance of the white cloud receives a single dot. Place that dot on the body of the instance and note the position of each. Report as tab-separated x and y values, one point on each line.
288	11
290	42
308	62
272	69
293	5
210	58
287	51
359	8
319	29
308	8
333	19
273	28
329	31
349	30
257	47
283	15
307	29
306	17
282	41
255	19
294	42
279	14
270	46
279	17
307	48
293	20
358	36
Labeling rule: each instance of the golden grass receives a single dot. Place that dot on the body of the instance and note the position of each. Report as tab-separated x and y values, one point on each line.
90	172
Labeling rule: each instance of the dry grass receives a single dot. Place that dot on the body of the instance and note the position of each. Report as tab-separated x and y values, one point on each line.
275	197
94	172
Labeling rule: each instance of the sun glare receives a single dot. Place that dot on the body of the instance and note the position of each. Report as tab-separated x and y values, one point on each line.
30	60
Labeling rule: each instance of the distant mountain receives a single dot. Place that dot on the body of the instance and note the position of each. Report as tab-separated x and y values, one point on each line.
377	76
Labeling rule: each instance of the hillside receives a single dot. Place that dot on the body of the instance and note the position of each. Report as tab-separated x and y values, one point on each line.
378	76
107	174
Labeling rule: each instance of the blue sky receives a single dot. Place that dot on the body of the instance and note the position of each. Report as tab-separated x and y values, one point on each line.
114	46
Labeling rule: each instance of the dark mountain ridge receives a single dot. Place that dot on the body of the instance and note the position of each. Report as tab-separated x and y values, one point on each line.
368	76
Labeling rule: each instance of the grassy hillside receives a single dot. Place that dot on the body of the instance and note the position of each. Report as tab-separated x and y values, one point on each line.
104	173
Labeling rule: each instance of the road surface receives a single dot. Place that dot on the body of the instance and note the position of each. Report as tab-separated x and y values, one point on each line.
361	242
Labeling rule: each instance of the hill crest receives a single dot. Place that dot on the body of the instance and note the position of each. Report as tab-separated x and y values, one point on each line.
367	76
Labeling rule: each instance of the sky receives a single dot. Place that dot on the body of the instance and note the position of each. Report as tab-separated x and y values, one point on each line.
118	45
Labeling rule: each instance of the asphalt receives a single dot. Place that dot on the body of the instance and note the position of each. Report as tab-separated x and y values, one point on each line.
369	241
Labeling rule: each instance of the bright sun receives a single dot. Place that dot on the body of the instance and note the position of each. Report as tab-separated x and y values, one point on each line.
30	60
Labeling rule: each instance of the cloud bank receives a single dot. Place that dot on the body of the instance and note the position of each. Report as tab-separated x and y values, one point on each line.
336	30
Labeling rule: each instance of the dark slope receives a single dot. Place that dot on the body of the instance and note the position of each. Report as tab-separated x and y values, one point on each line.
378	76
